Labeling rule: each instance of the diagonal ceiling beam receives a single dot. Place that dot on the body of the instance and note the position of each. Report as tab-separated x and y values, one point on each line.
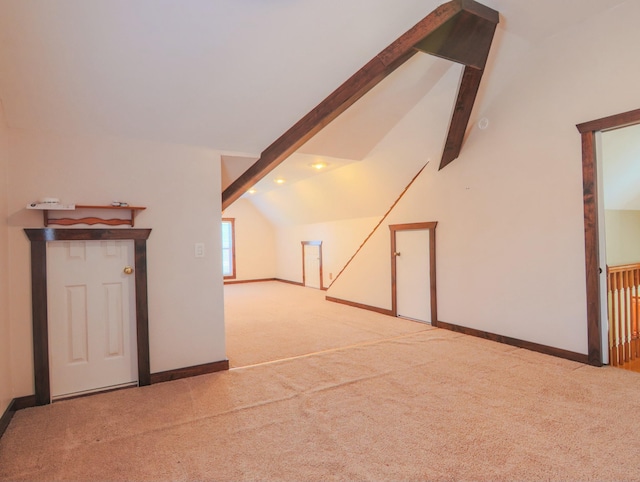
467	92
466	38
459	30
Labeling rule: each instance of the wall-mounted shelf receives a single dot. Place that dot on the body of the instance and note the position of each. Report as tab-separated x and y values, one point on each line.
89	220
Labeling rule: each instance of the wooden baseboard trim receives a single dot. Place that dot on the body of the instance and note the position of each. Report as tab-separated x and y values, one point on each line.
360	305
529	345
25	402
15	405
7	416
261	280
187	372
297	283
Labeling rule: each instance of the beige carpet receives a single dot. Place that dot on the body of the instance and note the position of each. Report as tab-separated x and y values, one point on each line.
274	320
433	405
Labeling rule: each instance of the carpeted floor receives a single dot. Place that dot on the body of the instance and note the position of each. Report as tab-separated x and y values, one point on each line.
431	405
273	320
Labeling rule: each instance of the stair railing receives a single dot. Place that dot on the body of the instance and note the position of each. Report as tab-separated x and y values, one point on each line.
623	292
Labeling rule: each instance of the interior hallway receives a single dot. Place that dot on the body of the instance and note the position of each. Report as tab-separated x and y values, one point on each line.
272	320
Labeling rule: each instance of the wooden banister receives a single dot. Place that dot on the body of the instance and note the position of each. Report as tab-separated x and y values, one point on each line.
623	295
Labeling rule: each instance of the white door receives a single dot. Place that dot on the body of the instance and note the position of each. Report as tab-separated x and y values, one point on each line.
91	310
312	266
413	278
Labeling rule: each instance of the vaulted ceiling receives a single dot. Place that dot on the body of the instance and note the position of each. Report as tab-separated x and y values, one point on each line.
226	74
230	75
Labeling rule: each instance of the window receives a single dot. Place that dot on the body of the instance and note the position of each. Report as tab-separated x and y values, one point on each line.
228	249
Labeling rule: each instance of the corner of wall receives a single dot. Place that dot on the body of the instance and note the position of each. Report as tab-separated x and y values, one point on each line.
6	385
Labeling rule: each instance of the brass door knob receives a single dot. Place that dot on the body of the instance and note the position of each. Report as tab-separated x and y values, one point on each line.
128	270
396	253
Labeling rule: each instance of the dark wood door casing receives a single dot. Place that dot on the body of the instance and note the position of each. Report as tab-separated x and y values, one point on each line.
304	274
40	321
431	227
588	132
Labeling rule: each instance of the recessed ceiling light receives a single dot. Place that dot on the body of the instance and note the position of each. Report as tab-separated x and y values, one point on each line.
252	191
279	180
319	165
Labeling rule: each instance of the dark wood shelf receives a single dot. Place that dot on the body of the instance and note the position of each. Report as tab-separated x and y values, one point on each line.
93	220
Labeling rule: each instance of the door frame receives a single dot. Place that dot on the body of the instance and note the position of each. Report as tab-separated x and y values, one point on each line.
304	275
40	320
588	131
431	227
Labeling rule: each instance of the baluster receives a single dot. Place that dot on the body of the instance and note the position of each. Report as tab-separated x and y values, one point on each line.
610	307
634	314
634	334
614	318
627	317
619	328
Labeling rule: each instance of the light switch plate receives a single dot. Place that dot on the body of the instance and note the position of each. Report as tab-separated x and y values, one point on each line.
199	250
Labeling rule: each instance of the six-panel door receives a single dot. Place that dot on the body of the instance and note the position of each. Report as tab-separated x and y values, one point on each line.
91	309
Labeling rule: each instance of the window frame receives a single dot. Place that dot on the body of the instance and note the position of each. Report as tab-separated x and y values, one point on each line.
232	222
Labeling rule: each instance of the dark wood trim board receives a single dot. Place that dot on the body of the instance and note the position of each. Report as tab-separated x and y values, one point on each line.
15	405
6	417
528	345
547	350
187	372
360	305
297	283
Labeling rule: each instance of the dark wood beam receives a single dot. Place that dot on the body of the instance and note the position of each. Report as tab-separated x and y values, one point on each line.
462	30
467	92
465	38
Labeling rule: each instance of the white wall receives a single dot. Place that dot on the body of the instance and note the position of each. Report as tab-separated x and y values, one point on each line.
6	391
340	240
510	239
622	230
368	187
254	242
343	206
179	187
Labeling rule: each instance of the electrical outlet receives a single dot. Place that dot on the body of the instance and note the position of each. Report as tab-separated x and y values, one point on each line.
199	250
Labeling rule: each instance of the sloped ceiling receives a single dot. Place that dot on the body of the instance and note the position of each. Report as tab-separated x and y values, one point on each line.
228	74
232	75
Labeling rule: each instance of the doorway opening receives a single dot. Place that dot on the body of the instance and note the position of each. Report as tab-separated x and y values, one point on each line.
595	255
413	272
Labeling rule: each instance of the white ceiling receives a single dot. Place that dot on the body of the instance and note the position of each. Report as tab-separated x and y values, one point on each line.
234	75
228	74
